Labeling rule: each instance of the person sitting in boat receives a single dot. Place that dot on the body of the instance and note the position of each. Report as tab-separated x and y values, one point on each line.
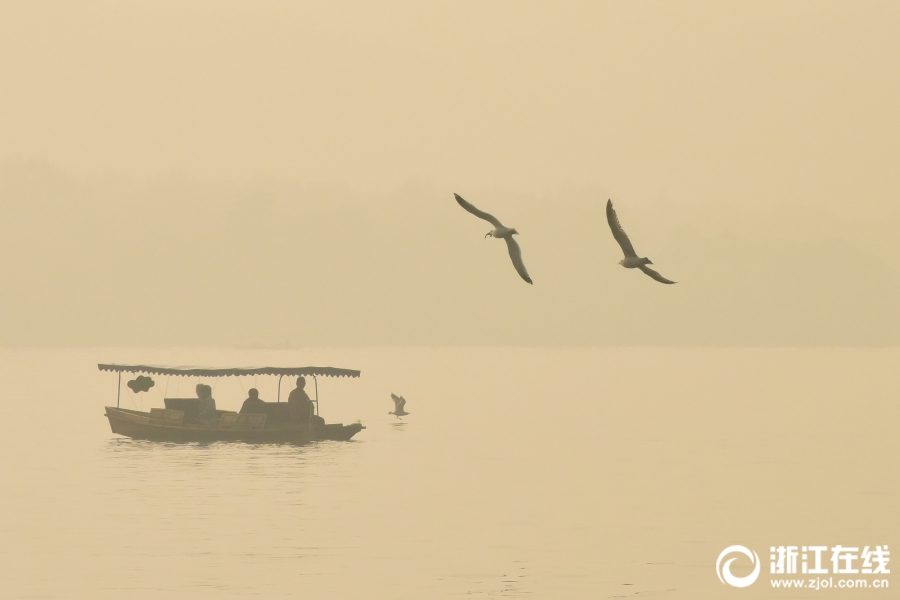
301	406
253	404
207	414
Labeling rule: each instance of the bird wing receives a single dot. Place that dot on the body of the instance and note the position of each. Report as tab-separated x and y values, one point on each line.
618	232
398	401
654	274
515	253
401	405
478	213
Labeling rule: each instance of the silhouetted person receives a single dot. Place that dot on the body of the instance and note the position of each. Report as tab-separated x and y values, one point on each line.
207	414
299	402
253	404
301	406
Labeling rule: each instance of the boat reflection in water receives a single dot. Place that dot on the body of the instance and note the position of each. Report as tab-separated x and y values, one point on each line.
273	423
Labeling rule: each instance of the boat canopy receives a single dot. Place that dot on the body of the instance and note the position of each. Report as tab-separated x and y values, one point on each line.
231	372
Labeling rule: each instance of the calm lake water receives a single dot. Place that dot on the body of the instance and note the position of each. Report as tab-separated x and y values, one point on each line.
520	473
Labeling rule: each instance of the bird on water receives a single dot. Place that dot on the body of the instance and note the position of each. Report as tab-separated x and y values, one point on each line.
631	260
500	231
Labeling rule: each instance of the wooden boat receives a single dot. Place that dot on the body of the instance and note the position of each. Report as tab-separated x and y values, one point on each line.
179	421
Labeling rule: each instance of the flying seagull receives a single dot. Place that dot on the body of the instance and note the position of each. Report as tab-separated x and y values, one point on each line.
499	231
399	403
631	260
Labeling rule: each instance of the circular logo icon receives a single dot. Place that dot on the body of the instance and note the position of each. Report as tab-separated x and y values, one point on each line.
724	570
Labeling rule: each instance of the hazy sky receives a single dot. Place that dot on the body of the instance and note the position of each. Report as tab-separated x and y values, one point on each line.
713	126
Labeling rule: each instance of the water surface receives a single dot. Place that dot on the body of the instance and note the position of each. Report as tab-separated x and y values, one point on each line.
543	473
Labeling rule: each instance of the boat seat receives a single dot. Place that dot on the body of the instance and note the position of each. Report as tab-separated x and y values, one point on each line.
277	413
166	416
251	421
190	406
246	421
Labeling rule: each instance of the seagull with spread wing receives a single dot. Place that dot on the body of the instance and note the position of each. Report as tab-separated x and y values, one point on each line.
399	403
499	231
631	260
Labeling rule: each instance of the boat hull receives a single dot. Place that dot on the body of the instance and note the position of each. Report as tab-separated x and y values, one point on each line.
136	424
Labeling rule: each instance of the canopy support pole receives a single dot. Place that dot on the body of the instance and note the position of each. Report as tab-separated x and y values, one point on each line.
119	390
279	387
316	381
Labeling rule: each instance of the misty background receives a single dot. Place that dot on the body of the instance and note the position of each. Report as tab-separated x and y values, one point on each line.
269	174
